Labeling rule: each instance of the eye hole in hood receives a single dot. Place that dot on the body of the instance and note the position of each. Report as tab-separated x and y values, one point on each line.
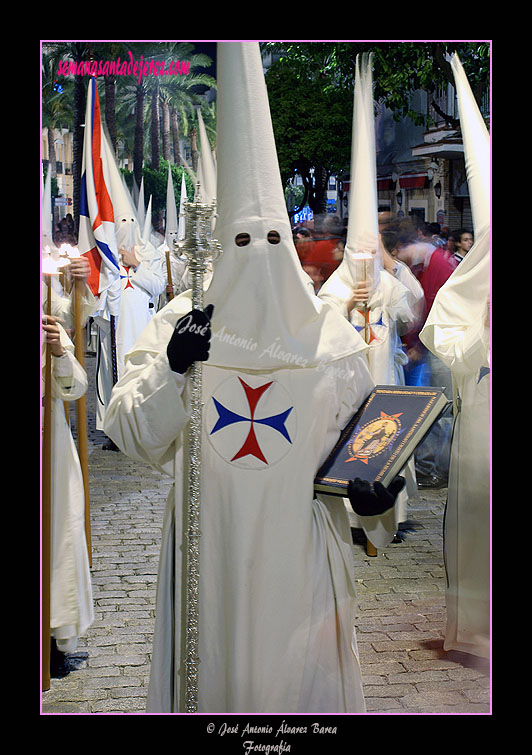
242	239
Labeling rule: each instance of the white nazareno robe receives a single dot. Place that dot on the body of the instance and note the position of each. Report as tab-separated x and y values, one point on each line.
140	290
277	595
391	312
457	331
71	604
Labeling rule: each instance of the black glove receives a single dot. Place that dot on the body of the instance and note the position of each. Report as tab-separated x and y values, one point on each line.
190	340
372	502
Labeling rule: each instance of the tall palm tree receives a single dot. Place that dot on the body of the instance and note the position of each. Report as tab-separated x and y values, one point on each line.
155	126
180	95
164	102
107	51
133	108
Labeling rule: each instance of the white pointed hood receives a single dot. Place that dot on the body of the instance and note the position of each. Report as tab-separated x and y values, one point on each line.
462	301
135	194
128	194
146	233
141	211
476	140
128	231
362	255
206	167
171	223
265	316
181	229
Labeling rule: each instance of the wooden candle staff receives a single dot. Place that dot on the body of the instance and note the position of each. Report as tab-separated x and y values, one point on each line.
169	274
81	405
361	260
366	314
46	504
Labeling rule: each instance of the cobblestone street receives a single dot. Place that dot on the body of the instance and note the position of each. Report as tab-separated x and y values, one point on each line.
401	594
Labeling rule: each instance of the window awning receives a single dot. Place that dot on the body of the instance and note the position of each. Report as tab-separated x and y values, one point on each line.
413	180
385	184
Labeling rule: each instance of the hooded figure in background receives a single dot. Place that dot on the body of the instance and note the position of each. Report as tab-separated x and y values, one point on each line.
205	192
457	330
149	234
206	165
141	280
174	236
376	302
284	374
141	271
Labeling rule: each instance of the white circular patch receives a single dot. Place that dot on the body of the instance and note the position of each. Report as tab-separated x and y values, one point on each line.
250	421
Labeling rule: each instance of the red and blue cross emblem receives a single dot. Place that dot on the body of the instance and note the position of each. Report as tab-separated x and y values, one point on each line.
247	425
127	276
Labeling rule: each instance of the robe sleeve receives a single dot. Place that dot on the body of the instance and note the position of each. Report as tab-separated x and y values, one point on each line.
456	329
415	295
179	269
63	305
69	379
399	308
147	413
60	304
149	275
336	293
464	349
354	390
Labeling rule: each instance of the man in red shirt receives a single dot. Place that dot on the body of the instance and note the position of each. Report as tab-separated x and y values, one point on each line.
441	265
432	266
327	247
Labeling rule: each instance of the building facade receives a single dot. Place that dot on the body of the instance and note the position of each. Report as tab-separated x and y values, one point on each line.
58	155
421	170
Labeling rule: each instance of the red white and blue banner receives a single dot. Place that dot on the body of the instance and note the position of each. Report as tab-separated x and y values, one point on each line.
96	238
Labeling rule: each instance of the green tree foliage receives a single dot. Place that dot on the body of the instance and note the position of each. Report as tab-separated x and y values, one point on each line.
155	182
311	123
310	90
